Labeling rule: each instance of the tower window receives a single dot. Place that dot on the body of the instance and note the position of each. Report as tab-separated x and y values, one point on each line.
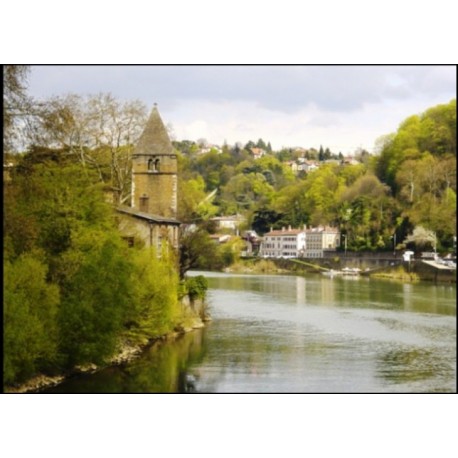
154	165
144	205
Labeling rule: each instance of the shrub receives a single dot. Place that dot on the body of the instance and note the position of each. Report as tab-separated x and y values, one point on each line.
197	287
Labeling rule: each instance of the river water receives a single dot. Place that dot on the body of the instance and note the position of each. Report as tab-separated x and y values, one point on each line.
301	334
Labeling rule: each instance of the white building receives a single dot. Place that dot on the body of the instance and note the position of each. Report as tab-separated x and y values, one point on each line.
285	243
298	243
231	222
321	239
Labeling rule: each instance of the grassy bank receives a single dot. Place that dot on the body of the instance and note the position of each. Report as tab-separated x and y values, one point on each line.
397	273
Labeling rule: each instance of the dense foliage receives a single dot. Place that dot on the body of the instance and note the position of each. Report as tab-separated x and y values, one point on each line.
373	200
73	288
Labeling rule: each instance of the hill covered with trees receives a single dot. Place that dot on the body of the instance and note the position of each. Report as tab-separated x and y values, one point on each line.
410	182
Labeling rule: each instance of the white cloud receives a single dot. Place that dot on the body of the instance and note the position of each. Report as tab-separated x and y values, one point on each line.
340	107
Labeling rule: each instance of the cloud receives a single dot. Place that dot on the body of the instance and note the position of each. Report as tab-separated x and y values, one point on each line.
280	88
345	106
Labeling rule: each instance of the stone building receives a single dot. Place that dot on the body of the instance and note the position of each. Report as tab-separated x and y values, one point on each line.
152	214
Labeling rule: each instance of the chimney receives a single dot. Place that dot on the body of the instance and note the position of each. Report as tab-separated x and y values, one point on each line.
289	227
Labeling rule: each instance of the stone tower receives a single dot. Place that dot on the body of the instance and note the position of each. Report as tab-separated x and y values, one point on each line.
154	171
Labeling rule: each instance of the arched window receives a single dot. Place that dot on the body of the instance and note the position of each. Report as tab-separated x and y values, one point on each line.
154	164
157	163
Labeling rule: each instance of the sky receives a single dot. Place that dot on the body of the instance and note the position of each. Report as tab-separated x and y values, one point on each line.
342	108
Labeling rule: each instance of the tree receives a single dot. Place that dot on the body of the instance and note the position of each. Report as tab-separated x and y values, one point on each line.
30	311
321	154
99	131
16	103
422	238
94	297
197	249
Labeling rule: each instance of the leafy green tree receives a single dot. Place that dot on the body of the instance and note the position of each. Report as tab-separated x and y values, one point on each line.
367	213
197	250
245	191
30	309
94	299
434	131
193	203
264	219
153	307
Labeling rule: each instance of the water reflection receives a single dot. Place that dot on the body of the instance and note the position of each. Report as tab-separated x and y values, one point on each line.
163	368
418	368
302	334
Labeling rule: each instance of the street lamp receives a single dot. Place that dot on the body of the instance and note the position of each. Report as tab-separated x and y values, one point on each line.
394	243
345	243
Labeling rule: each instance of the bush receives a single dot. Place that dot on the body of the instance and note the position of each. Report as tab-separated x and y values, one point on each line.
197	287
29	318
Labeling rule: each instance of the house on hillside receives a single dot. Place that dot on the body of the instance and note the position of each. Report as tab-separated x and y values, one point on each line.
151	216
257	152
299	243
231	222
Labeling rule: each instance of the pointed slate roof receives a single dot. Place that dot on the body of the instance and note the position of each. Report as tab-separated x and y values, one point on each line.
154	139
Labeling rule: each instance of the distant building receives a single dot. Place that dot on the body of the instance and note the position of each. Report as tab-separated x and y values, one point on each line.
349	160
308	166
220	238
293	166
284	243
296	243
231	222
257	152
321	239
252	243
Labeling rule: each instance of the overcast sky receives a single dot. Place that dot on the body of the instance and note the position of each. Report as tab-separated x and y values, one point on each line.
340	107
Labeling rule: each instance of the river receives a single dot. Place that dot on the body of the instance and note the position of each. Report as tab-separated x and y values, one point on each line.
301	334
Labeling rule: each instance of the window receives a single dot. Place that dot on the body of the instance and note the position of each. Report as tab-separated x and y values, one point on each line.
144	204
154	165
130	241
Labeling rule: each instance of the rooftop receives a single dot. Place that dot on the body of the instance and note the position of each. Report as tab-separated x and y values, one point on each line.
146	216
154	139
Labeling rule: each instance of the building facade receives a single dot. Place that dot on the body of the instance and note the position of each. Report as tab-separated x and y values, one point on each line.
299	243
285	243
152	214
231	222
320	239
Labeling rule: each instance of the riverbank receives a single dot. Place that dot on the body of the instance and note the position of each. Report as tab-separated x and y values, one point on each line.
128	351
255	266
399	270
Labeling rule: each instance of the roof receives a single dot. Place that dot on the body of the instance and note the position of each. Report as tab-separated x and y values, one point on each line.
146	216
321	229
285	232
154	139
